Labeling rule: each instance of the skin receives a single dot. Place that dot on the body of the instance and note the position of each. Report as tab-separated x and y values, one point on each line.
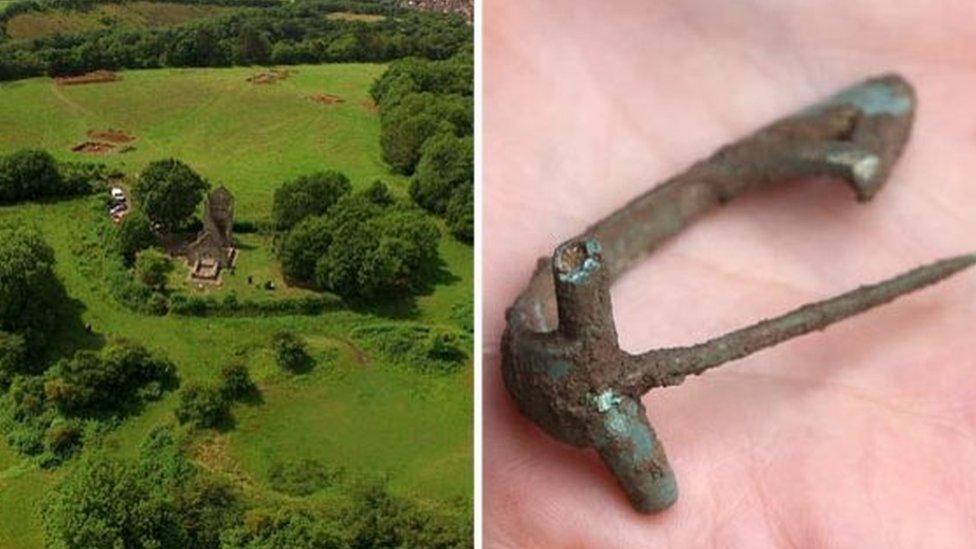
862	435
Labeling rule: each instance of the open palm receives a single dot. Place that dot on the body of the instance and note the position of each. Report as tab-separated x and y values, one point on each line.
864	435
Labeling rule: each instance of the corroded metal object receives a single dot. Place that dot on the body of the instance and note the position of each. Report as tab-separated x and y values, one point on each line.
561	360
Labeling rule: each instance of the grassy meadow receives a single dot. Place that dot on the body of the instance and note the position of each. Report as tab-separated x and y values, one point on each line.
128	15
352	410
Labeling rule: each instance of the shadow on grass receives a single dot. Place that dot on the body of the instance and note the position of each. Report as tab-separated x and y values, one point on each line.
70	333
405	307
254	397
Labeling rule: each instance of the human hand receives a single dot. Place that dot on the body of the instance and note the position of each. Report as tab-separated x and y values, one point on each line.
862	435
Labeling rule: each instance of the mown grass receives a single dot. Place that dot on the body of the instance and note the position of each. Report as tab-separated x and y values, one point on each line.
128	15
349	16
351	411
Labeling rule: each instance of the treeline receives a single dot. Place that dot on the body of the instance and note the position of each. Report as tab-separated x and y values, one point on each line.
287	34
34	174
427	125
162	499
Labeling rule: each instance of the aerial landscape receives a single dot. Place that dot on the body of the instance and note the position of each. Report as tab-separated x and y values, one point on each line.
236	274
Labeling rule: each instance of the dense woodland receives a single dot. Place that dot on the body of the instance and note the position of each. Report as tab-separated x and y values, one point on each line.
285	34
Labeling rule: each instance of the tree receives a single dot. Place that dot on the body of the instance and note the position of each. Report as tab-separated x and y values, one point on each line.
290	350
460	213
253	46
446	163
379	193
169	192
159	499
28	174
235	381
307	196
28	286
416	118
384	250
152	268
134	235
108	502
201	406
108	380
303	246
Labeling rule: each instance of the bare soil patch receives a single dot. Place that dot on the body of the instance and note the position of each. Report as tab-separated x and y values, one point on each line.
88	78
369	105
94	147
327	99
270	76
111	136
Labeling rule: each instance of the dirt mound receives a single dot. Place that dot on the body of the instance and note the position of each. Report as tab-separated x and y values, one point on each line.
327	99
93	147
89	78
269	77
111	136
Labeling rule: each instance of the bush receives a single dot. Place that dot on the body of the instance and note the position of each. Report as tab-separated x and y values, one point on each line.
290	351
379	193
307	196
133	235
169	192
108	380
417	347
152	268
235	381
64	438
28	174
201	406
13	357
301	478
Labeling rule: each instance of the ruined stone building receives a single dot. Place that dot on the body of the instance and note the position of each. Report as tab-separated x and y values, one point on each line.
213	250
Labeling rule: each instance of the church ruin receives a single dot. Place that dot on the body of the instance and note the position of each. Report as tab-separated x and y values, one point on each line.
213	250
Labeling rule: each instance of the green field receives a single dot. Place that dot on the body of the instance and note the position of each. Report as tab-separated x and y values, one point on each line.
352	410
128	15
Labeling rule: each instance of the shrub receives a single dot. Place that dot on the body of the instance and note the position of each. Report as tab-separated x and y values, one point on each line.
13	357
301	478
290	350
28	174
108	380
152	268
235	381
169	192
133	235
379	193
418	347
64	438
308	196
201	406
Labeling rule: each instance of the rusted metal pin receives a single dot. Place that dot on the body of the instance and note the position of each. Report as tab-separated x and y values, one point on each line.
560	357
